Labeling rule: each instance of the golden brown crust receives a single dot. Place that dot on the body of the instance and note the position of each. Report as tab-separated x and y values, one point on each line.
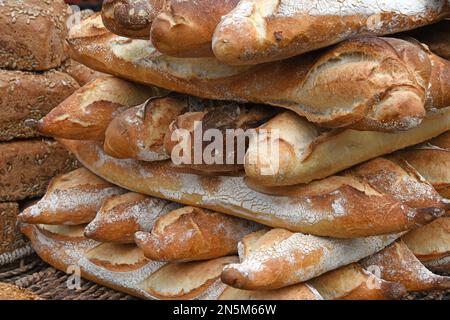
393	94
397	263
304	152
430	242
27	97
280	258
354	283
124	267
42	29
337	206
79	72
190	234
130	18
86	114
431	160
185	28
71	199
120	217
296	292
258	31
139	132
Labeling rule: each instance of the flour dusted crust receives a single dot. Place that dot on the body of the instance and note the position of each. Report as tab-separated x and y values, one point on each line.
190	234
258	31
120	217
323	86
123	266
337	206
71	199
398	264
33	34
281	258
300	291
86	114
306	153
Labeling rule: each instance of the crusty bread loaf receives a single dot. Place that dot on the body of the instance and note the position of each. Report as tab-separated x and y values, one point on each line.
185	28
180	140
123	267
29	96
120	217
139	132
87	113
367	83
10	236
354	283
430	242
432	160
27	166
436	37
258	31
299	291
397	263
130	18
281	258
190	234
439	265
33	34
79	72
71	199
342	207
306	153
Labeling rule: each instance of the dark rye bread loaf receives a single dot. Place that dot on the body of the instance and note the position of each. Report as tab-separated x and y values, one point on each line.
32	34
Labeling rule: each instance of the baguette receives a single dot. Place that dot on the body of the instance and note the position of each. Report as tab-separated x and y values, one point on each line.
120	217
304	150
130	18
436	37
299	291
220	119
430	242
29	96
123	267
281	258
33	34
337	207
86	114
397	263
431	160
258	31
388	91
71	199
185	28
354	283
190	234
139	132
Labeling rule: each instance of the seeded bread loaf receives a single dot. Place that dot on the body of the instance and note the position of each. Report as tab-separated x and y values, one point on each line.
25	96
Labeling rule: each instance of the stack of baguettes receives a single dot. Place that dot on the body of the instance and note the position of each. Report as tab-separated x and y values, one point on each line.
356	207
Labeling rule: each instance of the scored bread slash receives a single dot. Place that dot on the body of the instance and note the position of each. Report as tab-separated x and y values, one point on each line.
120	217
71	199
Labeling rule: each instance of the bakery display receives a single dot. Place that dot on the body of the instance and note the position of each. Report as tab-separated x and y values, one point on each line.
230	149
